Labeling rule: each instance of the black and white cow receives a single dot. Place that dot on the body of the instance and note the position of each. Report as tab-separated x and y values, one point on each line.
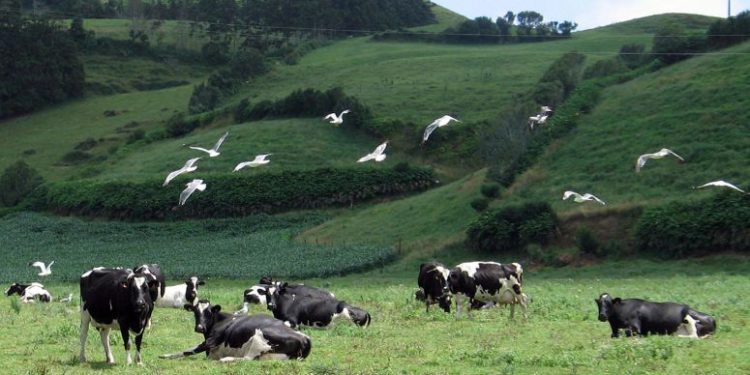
174	296
228	337
433	286
29	293
116	298
315	311
157	290
641	318
488	282
257	294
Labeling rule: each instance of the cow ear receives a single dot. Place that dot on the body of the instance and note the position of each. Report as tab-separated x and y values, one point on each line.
616	300
216	309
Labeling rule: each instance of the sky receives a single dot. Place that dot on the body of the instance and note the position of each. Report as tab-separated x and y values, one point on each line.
592	13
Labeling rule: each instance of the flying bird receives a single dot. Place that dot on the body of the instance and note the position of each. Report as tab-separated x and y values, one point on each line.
581	198
188	167
259	160
439	123
336	120
378	154
214	151
545	109
44	270
721	183
67	299
191	187
538	119
656	155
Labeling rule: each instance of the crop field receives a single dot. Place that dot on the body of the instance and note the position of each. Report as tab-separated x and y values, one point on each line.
229	248
560	336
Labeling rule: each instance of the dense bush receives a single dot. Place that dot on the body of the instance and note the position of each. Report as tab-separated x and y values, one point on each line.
730	31
603	68
719	223
490	190
232	194
178	125
586	242
633	55
16	182
479	204
672	44
511	228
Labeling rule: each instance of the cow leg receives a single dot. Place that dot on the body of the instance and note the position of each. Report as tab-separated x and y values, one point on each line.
85	321
126	343
512	310
104	334
138	341
458	306
635	327
523	301
615	330
198	349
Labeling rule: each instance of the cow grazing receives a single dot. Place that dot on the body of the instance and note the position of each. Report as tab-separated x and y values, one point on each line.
116	298
488	282
433	286
642	318
29	293
315	311
229	337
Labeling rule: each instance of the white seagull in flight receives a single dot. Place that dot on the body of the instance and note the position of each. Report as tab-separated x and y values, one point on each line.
378	154
188	167
581	198
45	270
336	120
439	123
538	119
259	160
191	187
656	155
721	183
67	299
214	151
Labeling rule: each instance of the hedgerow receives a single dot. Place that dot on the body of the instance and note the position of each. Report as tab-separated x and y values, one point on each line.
229	195
511	228
696	228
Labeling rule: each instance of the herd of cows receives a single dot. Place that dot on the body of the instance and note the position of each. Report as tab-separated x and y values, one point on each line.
124	299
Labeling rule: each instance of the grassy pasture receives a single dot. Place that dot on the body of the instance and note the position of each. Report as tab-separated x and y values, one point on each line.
561	335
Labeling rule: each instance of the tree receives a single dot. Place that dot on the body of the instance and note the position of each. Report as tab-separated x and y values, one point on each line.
17	182
633	55
565	28
673	44
510	18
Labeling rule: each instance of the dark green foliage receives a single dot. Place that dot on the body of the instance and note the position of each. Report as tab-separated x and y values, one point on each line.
586	241
178	125
39	65
675	230
204	98
136	135
17	182
232	194
86	145
673	44
240	111
727	32
480	204
490	190
511	228
633	55
75	157
603	68
567	71
157	85
215	53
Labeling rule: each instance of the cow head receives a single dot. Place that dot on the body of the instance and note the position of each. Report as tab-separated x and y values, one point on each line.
605	304
205	315
139	287
191	289
266	280
151	270
276	296
258	294
15	288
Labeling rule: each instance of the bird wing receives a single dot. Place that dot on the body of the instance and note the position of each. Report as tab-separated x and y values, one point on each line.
567	194
641	162
380	149
344	112
365	158
172	175
330	116
380	157
50	264
721	183
428	130
187	192
190	162
240	166
589	196
673	153
200	149
38	264
220	141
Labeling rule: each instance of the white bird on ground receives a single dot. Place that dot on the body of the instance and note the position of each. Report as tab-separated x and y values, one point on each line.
243	310
259	160
44	270
188	167
656	155
439	123
191	187
538	119
721	183
581	198
378	154
336	120
67	299
214	151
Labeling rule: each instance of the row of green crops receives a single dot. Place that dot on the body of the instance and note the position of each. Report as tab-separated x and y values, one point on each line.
231	194
246	248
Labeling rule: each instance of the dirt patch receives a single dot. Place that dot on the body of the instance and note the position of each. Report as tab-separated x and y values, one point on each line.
616	225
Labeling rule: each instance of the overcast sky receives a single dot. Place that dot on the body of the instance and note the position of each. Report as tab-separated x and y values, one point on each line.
592	13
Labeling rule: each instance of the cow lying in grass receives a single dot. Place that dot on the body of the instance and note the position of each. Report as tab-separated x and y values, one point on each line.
29	293
641	318
228	337
315	311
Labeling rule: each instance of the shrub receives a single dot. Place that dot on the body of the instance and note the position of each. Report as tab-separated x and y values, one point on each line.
178	125
679	229
241	111
490	190
511	228
604	68
75	157
231	194
633	55
480	204
17	182
204	98
136	135
86	145
586	241
215	53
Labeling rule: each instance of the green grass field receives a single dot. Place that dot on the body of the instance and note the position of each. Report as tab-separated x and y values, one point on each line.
561	335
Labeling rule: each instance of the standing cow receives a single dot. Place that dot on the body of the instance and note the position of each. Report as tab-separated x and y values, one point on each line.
228	337
433	286
641	318
116	298
488	282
